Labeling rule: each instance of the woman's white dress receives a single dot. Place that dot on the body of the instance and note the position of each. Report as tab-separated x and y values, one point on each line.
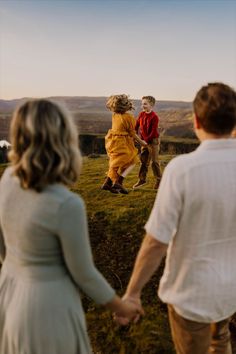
46	258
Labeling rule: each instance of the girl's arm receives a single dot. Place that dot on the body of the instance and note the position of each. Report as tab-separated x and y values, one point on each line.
131	128
139	140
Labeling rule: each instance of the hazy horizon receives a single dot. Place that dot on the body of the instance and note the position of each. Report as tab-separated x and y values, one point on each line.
82	96
97	48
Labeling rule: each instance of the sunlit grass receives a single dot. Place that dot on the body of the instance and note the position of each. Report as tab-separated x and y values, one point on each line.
116	230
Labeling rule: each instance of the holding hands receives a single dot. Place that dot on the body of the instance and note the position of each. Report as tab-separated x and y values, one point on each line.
131	312
140	141
125	310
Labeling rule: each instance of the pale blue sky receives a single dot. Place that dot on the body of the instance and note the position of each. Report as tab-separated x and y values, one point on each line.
164	48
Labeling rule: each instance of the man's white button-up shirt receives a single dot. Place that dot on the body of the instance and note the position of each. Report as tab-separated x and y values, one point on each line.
195	213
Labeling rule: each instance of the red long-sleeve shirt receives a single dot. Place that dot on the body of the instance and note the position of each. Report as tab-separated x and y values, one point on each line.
148	125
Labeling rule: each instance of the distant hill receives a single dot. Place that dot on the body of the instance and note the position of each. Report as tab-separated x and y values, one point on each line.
92	116
85	104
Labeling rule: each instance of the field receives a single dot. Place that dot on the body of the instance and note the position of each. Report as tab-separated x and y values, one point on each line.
116	231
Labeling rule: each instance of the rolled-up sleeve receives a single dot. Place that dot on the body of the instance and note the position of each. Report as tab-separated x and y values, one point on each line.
165	215
74	238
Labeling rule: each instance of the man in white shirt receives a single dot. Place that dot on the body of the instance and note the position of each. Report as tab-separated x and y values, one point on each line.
194	220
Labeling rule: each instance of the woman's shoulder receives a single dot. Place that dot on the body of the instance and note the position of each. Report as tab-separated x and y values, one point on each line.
63	193
72	206
66	200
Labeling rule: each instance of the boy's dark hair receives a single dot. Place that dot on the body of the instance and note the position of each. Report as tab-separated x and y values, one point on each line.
215	108
150	99
119	104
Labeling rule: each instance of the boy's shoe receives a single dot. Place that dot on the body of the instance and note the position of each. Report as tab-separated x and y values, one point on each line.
157	183
139	184
118	188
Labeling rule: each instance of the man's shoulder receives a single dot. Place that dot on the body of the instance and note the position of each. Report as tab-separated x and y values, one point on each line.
182	162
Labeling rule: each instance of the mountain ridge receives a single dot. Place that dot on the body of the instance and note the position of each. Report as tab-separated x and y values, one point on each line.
90	103
92	116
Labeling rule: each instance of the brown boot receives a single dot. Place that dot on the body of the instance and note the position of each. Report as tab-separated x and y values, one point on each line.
107	185
118	186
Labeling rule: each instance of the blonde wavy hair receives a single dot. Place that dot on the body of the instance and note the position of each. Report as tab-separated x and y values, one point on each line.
119	104
44	145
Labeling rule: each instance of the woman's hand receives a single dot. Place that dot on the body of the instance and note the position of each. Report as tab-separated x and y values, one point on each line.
131	311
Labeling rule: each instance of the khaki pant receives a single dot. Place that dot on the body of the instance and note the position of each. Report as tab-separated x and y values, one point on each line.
150	153
192	337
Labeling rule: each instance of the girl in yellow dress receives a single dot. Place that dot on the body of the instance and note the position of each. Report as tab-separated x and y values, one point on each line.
119	143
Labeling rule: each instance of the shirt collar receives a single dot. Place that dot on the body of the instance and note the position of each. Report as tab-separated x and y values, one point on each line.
213	144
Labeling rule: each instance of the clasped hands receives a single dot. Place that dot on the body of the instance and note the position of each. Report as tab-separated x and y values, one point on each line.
131	312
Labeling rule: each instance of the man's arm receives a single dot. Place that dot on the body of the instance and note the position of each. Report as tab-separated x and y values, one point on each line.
148	260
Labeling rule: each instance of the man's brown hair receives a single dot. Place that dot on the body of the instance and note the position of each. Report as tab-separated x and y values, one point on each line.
215	108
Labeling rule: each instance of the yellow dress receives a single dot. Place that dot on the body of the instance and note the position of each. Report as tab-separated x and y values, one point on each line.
119	143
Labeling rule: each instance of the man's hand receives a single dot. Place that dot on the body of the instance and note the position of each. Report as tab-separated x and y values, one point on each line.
134	300
133	304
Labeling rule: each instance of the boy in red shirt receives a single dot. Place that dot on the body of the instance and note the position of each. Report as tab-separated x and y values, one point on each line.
147	126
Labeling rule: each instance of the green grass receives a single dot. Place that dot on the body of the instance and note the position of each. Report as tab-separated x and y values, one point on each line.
116	231
116	224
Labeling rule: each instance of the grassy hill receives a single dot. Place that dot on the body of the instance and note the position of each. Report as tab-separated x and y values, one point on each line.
116	231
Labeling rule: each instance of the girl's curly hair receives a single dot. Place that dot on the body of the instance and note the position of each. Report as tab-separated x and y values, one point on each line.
119	104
